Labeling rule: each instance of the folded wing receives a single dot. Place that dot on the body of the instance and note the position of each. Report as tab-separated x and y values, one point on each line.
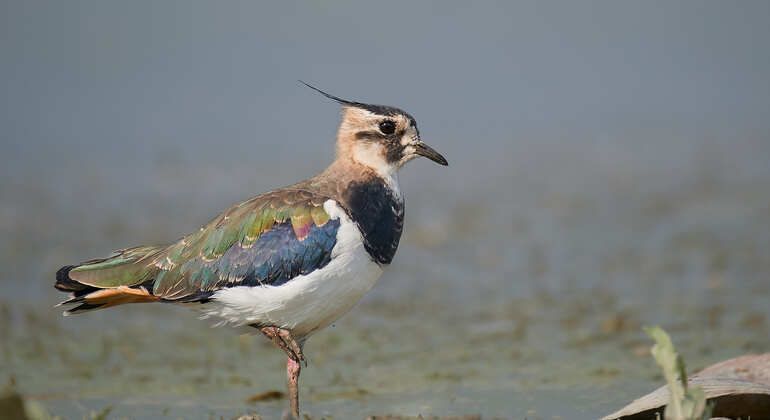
265	241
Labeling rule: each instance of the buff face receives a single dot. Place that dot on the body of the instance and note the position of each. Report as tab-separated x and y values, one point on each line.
384	138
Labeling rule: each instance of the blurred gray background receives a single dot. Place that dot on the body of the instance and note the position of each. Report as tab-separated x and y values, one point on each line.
605	147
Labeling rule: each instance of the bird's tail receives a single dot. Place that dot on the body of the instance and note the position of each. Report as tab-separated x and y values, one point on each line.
126	276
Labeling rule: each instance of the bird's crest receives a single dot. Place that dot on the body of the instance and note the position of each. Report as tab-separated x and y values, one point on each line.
375	109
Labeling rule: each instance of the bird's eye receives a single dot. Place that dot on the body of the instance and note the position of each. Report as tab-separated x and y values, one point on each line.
388	127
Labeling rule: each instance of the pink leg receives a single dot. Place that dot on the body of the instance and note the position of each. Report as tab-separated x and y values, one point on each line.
284	340
292	374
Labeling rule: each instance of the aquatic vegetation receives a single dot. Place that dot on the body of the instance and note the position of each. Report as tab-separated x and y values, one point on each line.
102	414
686	402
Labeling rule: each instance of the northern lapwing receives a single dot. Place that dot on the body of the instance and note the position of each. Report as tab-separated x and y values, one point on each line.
288	262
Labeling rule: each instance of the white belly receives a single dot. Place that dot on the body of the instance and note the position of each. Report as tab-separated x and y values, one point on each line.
309	302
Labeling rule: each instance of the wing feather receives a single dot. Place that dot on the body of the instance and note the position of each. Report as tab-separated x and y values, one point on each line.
267	240
260	242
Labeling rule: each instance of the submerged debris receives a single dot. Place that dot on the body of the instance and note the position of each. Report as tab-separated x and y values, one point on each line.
271	395
249	417
14	406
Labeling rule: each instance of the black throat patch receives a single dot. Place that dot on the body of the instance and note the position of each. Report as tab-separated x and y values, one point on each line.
379	215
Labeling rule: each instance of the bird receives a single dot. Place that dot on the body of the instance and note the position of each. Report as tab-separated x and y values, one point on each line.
286	263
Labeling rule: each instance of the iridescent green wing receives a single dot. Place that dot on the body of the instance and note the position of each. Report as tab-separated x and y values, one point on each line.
267	240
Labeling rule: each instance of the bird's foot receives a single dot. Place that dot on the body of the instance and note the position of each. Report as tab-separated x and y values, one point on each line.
284	340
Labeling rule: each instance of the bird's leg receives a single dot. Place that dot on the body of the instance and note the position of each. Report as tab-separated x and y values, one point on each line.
292	375
284	340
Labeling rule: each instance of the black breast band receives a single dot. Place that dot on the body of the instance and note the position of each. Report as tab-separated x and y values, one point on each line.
379	215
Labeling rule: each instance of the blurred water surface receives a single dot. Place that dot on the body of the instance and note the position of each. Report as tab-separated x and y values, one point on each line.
608	169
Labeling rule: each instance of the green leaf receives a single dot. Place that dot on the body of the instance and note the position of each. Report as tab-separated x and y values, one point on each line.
685	403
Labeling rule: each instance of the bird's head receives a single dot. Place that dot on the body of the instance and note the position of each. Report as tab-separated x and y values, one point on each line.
381	137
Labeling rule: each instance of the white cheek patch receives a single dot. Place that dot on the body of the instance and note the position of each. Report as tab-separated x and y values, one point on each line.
372	155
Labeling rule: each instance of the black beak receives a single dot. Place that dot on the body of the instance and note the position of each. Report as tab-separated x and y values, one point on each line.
423	149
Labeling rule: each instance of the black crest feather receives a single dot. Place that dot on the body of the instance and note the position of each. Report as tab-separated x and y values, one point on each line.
330	96
375	109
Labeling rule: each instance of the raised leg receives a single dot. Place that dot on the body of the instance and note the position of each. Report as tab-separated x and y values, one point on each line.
293	349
